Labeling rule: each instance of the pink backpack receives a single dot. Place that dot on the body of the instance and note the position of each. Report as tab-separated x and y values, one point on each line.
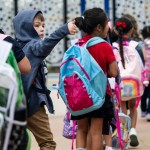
132	74
146	72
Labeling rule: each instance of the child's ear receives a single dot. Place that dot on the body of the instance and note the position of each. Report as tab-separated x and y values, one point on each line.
99	28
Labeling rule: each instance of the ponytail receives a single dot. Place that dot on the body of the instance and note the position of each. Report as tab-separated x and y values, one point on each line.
120	31
123	26
80	23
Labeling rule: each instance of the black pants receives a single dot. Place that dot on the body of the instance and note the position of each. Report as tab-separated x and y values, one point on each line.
145	106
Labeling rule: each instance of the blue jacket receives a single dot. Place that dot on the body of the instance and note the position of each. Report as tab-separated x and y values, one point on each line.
36	51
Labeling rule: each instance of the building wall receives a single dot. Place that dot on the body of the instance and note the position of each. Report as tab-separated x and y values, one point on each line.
54	16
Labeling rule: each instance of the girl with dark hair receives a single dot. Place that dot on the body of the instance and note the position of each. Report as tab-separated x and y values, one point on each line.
136	37
128	57
94	23
124	29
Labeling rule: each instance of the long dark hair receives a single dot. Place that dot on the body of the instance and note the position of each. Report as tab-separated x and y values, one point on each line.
90	19
123	26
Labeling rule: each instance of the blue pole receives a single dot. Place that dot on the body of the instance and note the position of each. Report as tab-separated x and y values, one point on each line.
106	7
83	4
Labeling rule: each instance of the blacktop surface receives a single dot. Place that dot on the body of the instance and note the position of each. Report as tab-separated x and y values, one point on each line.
56	123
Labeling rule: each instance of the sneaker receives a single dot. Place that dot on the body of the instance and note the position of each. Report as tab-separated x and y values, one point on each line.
133	138
143	114
148	117
108	148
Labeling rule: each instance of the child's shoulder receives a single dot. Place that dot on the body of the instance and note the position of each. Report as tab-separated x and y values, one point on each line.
105	45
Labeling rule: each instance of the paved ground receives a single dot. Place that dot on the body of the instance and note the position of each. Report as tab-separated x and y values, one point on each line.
143	127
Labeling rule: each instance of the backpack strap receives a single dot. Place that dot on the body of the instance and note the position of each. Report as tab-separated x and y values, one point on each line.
2	36
119	129
133	44
94	41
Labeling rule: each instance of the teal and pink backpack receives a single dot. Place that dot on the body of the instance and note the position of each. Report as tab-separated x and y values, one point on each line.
82	82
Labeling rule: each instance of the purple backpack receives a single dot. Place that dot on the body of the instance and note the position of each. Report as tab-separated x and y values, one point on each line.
70	127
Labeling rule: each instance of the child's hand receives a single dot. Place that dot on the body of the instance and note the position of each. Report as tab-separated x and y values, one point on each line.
72	27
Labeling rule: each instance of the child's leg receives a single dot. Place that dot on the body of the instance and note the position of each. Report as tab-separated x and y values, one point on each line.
124	107
148	96
82	133
88	143
148	107
143	101
96	133
39	125
148	111
133	114
108	140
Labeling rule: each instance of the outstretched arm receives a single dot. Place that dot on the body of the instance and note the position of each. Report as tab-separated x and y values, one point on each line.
43	48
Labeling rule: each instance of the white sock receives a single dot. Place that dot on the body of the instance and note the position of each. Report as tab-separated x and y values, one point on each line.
80	149
108	148
132	132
